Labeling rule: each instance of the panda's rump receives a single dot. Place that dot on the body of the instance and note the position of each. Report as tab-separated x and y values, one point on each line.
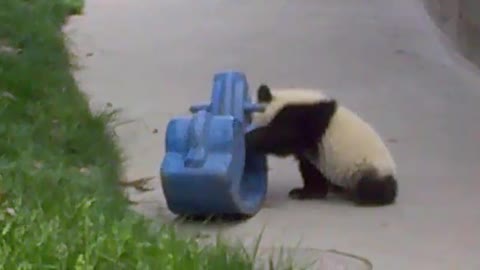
350	147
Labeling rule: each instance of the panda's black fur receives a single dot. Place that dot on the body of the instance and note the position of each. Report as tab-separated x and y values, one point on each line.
297	129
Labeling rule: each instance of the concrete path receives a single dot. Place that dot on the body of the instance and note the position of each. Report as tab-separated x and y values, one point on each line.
383	58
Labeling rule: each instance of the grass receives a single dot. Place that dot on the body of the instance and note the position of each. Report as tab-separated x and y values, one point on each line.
60	205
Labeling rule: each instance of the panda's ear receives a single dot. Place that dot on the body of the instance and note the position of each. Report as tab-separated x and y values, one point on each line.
264	94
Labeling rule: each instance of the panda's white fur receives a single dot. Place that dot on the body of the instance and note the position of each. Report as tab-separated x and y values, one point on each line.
349	147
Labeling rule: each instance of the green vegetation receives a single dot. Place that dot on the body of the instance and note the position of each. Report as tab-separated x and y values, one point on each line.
60	205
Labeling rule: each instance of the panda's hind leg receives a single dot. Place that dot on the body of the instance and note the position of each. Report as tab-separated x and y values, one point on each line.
373	190
315	185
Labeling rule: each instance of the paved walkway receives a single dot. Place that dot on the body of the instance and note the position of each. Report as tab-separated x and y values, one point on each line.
383	58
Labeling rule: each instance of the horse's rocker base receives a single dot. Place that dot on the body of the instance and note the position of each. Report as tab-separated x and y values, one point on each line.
206	171
222	218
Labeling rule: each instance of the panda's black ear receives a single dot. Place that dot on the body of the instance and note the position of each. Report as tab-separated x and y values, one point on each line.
264	94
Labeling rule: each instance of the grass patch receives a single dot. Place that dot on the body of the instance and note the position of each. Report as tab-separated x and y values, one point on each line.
60	206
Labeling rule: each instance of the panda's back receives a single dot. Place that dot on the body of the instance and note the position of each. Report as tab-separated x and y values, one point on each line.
350	147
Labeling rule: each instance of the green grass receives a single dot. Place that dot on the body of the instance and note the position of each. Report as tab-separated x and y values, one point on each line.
60	206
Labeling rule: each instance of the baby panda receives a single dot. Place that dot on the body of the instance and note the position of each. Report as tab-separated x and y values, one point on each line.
334	147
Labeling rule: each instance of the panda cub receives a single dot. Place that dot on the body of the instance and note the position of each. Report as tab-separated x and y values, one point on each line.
334	147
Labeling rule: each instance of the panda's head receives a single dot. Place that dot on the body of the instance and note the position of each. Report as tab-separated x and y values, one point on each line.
300	100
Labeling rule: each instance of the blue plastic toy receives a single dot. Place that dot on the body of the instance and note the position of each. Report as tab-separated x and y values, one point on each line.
206	170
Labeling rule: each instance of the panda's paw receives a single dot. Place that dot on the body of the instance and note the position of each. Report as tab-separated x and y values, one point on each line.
304	194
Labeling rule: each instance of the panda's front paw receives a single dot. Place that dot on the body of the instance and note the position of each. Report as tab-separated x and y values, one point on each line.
296	194
304	194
